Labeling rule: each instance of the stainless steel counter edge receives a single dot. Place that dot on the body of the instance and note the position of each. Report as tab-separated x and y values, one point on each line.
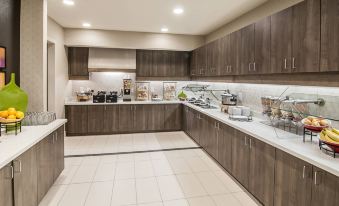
12	146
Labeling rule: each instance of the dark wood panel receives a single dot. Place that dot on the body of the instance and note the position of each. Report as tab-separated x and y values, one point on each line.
182	60
225	136
155	117
59	152
77	119
262	46
202	60
240	158
329	35
111	119
26	179
213	58
46	164
173	117
325	189
10	36
293	181
6	187
261	175
234	52
247	49
193	63
225	61
95	123
144	60
160	63
281	44
140	118
126	118
78	62
306	36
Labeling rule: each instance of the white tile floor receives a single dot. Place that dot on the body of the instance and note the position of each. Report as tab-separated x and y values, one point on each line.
170	178
79	145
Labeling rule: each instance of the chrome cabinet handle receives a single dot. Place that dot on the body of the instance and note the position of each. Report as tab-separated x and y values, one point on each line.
218	125
250	143
245	141
285	63
12	172
293	63
315	178
304	171
249	67
254	67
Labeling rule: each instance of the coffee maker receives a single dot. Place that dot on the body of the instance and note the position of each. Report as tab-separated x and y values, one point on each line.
127	97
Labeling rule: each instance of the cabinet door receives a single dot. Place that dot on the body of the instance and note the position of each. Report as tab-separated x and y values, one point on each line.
262	48
160	63
306	36
196	126
59	151
240	158
126	118
202	61
185	119
281	35
329	36
173	116
261	177
247	49
234	52
181	66
225	136
193	63
95	119
144	60
26	179
325	189
155	117
202	130
213	56
78	62
293	181
46	164
191	122
225	61
6	187
77	120
140	118
210	132
111	119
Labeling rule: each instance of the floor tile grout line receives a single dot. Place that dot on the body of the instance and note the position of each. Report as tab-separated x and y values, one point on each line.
132	152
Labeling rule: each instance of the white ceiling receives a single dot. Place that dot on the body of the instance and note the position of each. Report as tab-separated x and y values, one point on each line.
200	17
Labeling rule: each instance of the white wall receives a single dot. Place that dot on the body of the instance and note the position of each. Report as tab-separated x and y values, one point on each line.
33	53
266	9
62	86
131	40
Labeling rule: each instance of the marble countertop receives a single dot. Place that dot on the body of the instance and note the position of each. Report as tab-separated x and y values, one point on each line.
121	102
285	141
12	146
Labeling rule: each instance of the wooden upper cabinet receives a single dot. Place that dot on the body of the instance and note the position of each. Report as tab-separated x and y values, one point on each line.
144	63
262	47
225	56
306	36
213	58
202	60
329	35
247	49
160	63
78	63
193	63
281	44
234	52
182	62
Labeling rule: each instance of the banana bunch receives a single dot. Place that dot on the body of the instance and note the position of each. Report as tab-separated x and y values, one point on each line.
330	135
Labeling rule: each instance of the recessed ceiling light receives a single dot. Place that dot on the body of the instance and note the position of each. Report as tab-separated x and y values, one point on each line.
164	29
178	10
86	24
69	2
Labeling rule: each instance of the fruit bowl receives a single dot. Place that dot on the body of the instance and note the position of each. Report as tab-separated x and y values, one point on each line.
315	128
7	121
334	146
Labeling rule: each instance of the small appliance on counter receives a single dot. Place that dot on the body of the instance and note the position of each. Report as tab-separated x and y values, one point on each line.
112	97
99	97
142	91
240	113
84	94
228	99
127	97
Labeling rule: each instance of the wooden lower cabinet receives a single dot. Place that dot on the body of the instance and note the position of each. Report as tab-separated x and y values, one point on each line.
325	188
173	119
111	119
59	149
46	164
77	120
95	115
293	181
155	117
6	187
26	178
210	136
240	157
225	136
126	118
261	171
